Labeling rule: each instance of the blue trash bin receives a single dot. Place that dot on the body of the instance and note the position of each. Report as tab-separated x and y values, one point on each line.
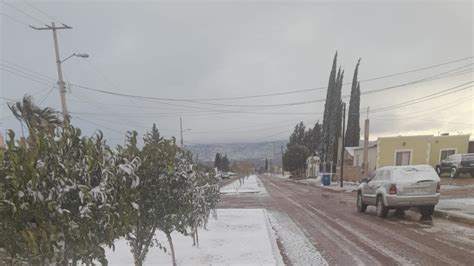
326	179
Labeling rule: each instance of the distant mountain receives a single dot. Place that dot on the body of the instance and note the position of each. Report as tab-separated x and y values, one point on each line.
239	151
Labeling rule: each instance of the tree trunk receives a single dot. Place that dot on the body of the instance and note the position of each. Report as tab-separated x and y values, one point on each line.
197	238
170	241
193	234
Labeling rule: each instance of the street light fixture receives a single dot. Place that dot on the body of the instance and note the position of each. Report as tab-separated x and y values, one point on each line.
82	55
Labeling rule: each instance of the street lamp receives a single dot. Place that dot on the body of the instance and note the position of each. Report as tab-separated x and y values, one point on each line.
82	55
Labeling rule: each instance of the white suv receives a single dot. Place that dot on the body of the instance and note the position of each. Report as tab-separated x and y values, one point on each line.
400	187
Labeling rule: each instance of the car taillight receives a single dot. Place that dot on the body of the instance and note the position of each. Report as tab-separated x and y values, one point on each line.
438	187
392	189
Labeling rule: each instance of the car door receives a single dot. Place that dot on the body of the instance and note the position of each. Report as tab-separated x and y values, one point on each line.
370	188
446	163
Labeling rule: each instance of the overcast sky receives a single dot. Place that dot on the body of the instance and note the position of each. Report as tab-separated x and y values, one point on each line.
203	49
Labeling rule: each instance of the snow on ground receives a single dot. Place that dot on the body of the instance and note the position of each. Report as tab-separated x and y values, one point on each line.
237	237
248	184
461	207
297	248
335	185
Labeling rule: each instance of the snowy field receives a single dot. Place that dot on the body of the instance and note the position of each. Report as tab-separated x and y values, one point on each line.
237	237
249	184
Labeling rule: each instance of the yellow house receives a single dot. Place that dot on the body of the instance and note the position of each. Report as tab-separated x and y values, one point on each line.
424	149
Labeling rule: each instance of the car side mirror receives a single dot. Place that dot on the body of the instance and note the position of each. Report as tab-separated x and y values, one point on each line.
366	180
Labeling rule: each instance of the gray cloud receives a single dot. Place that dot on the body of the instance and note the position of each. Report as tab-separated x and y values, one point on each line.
225	49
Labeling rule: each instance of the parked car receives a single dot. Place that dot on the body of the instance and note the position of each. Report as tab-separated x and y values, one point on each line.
456	164
400	187
225	175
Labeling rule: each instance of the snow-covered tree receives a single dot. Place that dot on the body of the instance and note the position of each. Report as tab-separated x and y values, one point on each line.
60	199
205	198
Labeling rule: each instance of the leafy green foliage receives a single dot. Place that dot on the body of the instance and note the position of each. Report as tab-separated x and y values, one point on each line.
294	159
60	194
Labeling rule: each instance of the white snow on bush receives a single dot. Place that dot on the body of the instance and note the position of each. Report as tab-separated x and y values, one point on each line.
237	237
297	247
249	184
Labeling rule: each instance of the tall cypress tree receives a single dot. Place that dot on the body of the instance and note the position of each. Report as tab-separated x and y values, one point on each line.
335	119
328	110
353	126
217	161
317	136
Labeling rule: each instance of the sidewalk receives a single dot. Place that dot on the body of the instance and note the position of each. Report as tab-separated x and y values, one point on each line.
335	185
460	210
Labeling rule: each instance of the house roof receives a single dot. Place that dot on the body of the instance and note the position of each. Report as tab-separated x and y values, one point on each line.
350	150
373	145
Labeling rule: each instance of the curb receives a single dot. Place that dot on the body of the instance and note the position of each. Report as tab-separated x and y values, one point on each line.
453	217
327	188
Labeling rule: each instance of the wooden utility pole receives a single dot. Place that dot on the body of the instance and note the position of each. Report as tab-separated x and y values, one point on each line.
342	142
366	144
62	87
181	131
282	170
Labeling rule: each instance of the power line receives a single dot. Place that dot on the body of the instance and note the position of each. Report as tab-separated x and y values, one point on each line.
197	101
24	13
23	68
14	19
425	98
24	76
26	73
42	12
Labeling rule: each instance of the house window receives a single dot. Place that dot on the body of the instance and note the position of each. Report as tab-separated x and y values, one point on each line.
446	153
403	158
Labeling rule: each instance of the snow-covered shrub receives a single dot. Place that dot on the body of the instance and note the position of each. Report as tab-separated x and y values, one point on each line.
60	192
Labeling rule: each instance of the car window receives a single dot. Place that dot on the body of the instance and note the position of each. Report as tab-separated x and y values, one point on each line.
386	175
379	175
468	157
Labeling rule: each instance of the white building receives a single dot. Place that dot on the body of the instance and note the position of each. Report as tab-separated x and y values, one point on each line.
312	166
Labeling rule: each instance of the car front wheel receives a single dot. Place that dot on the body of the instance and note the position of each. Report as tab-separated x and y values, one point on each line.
382	211
361	206
427	211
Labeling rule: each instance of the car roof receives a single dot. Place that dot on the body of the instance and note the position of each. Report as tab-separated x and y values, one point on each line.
417	167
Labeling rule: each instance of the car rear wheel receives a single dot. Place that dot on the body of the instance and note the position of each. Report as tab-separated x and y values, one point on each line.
382	211
454	172
427	211
361	206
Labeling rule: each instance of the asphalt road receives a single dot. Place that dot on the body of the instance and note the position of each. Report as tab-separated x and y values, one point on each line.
345	237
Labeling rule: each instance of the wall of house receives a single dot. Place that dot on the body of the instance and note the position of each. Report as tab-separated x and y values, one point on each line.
459	143
388	146
372	159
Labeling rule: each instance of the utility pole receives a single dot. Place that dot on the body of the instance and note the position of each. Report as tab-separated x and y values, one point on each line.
366	144
274	157
282	170
181	131
342	146
62	87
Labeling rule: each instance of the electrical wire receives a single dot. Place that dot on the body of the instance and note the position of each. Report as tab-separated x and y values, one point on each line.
14	19
42	12
197	100
24	13
25	77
